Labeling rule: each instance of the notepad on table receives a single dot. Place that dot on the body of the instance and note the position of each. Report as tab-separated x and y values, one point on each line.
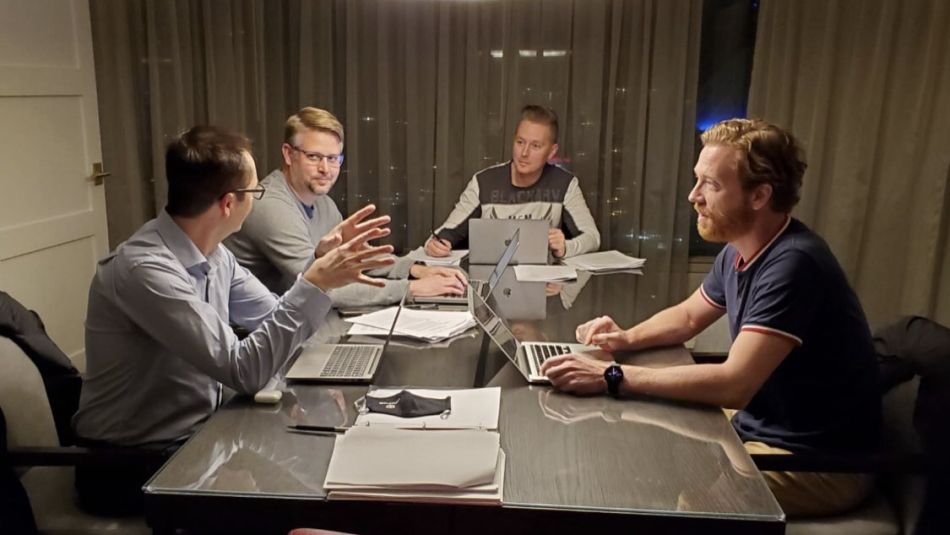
382	463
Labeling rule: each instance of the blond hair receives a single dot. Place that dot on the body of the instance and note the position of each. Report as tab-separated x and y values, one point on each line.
310	118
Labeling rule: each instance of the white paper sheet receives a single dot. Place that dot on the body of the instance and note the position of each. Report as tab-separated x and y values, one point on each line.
412	459
430	325
604	261
532	273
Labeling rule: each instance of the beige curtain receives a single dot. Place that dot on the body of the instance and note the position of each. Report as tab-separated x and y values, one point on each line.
865	85
428	92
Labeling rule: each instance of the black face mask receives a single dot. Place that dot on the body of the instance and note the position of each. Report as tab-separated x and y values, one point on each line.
405	404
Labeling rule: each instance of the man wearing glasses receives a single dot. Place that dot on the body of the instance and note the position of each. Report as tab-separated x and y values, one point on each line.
278	239
159	345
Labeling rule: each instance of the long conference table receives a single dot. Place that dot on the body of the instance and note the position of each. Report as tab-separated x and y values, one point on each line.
574	464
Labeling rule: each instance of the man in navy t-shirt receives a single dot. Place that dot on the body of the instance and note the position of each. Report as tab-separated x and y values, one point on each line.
801	369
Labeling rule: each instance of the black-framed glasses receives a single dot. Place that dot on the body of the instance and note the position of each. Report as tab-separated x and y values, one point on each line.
333	160
257	192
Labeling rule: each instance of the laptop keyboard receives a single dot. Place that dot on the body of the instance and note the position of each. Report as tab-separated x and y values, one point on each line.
542	352
477	286
349	361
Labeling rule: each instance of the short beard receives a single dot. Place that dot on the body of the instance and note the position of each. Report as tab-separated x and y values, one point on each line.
722	227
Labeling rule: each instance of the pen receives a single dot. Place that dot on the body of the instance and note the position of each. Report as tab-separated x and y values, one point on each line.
323	428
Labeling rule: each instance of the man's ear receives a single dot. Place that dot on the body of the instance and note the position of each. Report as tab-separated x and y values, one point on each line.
761	196
285	151
553	152
226	203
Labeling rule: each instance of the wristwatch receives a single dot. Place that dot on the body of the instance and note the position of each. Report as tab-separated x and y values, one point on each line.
614	376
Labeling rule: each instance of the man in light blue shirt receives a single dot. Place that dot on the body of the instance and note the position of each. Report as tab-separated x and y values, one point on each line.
159	345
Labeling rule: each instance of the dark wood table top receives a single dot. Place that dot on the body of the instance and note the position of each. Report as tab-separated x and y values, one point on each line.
573	463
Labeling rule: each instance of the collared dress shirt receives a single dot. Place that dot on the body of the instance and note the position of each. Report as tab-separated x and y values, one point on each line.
159	344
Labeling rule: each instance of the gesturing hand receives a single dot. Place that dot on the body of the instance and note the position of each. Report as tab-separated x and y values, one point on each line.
345	264
603	332
349	228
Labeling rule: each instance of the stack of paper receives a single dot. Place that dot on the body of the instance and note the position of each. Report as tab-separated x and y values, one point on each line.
429	325
604	261
454	258
382	463
472	408
531	273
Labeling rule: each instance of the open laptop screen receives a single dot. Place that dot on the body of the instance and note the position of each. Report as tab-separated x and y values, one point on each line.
495	327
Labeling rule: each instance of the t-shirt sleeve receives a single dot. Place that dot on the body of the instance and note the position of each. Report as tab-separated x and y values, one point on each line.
785	297
713	288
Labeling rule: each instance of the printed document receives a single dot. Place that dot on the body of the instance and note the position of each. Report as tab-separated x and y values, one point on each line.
429	325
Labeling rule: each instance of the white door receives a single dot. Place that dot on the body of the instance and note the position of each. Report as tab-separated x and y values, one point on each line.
52	214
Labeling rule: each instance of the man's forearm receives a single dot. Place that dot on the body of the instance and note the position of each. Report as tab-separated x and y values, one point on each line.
667	327
712	384
584	243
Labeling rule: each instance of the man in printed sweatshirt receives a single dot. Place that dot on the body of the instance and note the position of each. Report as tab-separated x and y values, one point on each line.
525	187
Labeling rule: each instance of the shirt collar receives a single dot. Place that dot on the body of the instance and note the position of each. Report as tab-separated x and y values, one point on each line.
307	208
743	266
180	244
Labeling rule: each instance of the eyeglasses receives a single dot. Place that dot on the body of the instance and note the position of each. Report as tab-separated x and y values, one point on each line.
257	192
333	160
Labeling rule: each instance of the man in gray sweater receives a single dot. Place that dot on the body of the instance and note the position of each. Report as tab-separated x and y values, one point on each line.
279	237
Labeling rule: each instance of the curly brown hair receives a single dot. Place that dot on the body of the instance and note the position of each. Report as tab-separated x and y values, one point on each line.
769	155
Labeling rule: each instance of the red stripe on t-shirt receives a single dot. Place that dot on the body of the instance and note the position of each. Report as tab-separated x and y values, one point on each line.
769	330
709	300
742	266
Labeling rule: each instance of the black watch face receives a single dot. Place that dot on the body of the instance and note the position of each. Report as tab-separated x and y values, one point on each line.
614	374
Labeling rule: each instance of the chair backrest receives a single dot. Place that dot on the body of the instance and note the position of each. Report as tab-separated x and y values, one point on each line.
905	490
23	400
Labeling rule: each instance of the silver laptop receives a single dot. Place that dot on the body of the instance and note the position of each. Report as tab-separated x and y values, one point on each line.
483	287
341	363
487	239
527	357
513	299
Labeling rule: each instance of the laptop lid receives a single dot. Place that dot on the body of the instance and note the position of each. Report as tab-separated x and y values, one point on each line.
496	329
392	328
512	248
488	238
490	282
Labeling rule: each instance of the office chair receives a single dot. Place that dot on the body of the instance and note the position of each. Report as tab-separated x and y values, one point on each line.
895	503
33	443
712	344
